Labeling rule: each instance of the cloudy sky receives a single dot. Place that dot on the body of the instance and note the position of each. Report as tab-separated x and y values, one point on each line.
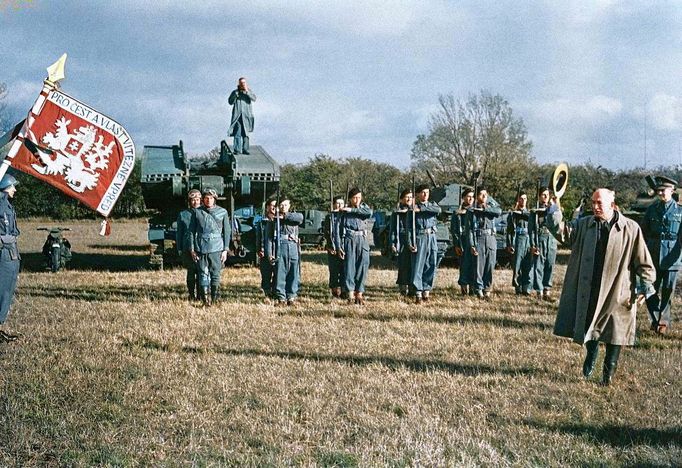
360	78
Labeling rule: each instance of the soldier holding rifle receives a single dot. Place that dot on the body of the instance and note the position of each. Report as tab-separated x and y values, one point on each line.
543	247
460	242
481	227
265	238
423	243
661	226
9	252
332	223
288	257
399	239
518	244
355	252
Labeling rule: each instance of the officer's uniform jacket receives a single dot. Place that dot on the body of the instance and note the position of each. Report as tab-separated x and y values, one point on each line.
331	226
458	229
425	220
8	230
398	235
481	225
661	228
517	226
182	236
354	222
288	227
210	230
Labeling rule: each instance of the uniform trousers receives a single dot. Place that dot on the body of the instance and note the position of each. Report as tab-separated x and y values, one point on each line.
425	262
335	263
268	277
9	272
192	276
486	246
522	264
210	267
288	274
356	262
543	264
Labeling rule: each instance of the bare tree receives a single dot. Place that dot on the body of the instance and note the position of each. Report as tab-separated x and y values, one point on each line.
479	134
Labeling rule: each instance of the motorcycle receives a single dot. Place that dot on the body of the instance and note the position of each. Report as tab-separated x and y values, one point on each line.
57	248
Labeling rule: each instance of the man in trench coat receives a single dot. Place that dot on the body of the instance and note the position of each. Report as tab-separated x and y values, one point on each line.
609	273
241	123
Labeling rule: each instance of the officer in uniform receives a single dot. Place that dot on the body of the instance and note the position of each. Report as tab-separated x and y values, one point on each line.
265	229
481	226
211	231
661	227
9	254
355	252
288	262
182	240
460	242
398	239
425	251
543	247
518	244
332	223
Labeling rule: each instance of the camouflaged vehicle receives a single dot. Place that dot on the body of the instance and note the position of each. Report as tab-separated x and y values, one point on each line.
241	181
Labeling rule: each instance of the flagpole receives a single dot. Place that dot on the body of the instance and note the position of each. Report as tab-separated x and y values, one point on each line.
55	73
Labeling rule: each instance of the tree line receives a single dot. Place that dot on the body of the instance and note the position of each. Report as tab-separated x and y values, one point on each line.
475	136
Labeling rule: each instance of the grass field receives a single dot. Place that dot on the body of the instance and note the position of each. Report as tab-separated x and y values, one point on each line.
115	367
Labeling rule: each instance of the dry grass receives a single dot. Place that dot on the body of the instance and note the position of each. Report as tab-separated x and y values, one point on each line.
116	368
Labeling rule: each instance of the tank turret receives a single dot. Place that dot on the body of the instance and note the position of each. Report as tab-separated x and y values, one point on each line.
241	181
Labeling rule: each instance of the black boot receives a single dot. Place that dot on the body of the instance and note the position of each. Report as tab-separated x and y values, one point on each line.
610	363
215	294
591	358
206	296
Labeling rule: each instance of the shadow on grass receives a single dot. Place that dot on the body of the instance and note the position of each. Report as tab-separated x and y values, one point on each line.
35	262
415	365
619	436
319	257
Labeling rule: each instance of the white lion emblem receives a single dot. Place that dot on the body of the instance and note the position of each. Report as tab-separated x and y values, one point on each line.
78	157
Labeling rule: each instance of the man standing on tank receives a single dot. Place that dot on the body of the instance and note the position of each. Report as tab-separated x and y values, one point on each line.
241	123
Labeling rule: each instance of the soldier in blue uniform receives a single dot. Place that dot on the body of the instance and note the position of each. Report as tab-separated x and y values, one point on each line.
265	229
398	239
355	252
661	227
182	240
481	226
425	250
518	244
288	266
9	253
460	242
543	247
210	231
332	223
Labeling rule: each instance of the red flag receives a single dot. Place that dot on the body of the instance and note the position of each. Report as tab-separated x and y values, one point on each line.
75	148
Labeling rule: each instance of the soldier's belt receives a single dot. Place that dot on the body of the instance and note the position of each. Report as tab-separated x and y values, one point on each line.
290	239
351	232
484	232
431	230
521	231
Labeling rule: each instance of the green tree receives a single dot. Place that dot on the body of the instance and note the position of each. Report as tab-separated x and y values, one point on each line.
479	134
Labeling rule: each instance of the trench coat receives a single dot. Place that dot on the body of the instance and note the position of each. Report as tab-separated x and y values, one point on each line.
241	107
628	271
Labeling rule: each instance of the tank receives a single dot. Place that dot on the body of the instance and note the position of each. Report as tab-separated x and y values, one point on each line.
242	182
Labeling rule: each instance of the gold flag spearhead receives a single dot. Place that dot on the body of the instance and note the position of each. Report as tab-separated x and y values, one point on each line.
55	72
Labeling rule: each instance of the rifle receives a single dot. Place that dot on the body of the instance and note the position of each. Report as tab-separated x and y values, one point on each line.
277	226
397	224
330	228
414	219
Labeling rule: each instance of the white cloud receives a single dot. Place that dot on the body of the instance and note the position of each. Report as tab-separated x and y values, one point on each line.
665	112
573	111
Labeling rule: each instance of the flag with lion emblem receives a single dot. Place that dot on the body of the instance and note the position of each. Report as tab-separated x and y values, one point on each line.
74	148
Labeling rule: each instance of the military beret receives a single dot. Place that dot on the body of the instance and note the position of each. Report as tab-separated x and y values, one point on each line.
663	182
354	191
480	189
422	187
194	193
405	192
